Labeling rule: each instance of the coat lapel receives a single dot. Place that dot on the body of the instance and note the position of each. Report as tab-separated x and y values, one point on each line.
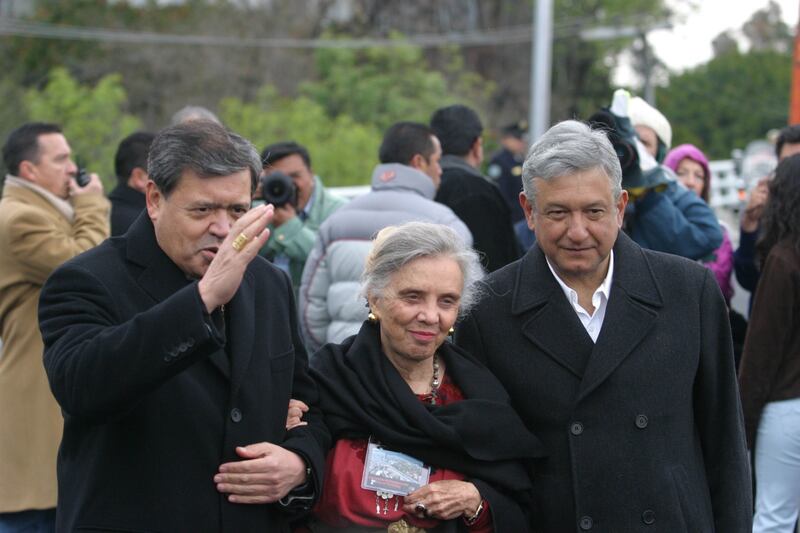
160	278
553	325
631	313
241	336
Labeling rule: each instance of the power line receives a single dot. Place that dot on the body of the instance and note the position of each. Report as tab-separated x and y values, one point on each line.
492	37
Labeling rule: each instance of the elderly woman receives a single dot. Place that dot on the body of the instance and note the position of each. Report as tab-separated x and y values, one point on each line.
425	437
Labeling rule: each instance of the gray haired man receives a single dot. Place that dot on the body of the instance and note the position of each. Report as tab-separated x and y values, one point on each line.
619	358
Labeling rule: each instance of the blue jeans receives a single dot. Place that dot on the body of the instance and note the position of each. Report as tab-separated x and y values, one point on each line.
35	521
777	468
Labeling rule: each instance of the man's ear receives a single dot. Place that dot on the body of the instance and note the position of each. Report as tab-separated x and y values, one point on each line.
621	203
138	179
27	170
527	208
417	162
476	150
153	198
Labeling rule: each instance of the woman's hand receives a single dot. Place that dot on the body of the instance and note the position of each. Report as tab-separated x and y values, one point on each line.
445	500
294	417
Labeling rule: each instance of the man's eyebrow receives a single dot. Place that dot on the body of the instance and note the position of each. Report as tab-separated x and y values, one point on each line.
217	205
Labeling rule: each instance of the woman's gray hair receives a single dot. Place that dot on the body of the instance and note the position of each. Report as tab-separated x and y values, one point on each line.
567	148
396	246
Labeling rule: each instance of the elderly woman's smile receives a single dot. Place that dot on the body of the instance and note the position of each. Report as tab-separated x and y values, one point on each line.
418	307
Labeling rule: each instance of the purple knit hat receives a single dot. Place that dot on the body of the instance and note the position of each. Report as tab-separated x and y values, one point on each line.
679	153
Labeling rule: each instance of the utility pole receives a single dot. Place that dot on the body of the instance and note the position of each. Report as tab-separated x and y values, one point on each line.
541	62
794	103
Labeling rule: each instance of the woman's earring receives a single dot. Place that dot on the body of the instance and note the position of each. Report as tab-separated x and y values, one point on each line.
451	331
372	318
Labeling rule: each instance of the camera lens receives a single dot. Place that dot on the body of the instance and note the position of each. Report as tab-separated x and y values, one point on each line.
278	189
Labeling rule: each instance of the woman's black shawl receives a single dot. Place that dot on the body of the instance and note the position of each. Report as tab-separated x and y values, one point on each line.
482	437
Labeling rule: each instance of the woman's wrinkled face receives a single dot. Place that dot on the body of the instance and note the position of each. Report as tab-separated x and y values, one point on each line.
418	307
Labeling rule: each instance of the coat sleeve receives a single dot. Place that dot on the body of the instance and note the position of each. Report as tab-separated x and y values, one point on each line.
98	367
313	295
772	322
507	513
718	416
722	266
744	261
292	238
313	440
678	222
44	246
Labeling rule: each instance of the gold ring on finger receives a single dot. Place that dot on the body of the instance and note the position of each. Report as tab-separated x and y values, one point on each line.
240	242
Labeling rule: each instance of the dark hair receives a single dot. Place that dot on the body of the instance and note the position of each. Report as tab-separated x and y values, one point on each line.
23	144
132	153
790	135
403	140
277	151
203	146
457	127
781	218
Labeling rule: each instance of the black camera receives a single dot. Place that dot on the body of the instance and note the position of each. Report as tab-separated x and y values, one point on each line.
278	189
82	177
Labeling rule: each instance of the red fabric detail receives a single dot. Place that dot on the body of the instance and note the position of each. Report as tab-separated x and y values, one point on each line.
345	503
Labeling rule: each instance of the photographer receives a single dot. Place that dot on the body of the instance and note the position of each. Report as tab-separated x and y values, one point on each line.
298	215
662	214
46	217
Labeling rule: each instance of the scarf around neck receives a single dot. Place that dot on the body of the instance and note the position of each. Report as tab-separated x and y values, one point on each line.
61	205
362	395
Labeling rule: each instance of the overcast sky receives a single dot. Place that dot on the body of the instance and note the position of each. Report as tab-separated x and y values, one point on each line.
689	43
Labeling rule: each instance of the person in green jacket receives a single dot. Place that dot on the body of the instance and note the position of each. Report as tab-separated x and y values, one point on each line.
294	226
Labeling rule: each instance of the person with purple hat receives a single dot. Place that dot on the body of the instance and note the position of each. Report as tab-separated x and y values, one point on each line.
691	166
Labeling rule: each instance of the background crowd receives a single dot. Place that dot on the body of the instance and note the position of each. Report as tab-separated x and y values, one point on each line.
432	175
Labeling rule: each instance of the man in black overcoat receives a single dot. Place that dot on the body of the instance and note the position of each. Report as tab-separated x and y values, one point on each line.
619	358
130	165
473	198
173	351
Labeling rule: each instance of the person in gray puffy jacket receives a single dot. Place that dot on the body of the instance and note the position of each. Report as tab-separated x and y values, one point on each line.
403	188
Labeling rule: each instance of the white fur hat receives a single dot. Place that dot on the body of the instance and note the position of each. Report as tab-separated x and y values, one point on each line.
643	114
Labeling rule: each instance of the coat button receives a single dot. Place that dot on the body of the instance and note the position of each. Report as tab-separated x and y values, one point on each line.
586	523
641	421
236	415
649	517
576	428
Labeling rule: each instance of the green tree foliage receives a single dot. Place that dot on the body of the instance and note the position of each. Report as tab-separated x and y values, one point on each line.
383	85
341	116
581	75
93	118
343	151
729	101
12	112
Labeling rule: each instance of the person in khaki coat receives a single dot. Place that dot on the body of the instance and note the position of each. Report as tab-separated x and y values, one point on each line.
45	219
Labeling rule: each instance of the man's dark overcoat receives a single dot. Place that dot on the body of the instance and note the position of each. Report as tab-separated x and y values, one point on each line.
479	204
126	205
643	429
156	394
